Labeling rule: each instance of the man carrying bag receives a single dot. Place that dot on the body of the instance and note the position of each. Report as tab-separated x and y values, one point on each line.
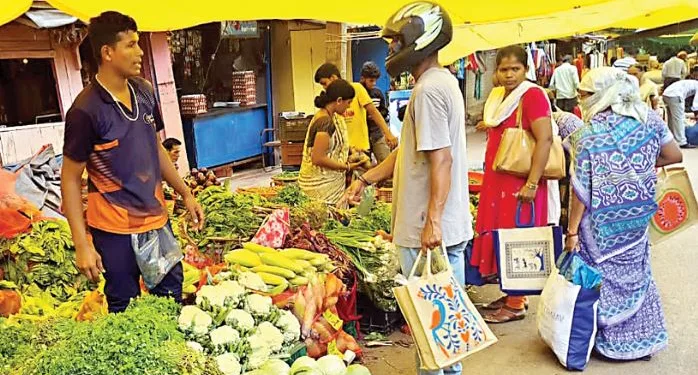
429	168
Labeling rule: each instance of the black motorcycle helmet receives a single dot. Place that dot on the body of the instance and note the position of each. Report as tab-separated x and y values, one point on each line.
415	32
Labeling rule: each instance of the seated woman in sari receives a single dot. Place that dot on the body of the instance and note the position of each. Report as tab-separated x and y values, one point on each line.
326	150
613	161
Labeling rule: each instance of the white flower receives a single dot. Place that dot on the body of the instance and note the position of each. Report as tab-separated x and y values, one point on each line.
241	320
224	335
273	337
258	305
290	326
229	364
195	346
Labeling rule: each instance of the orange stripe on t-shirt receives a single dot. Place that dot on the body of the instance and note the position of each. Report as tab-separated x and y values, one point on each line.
107	146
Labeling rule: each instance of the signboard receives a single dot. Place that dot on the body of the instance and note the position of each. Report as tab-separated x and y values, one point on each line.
239	29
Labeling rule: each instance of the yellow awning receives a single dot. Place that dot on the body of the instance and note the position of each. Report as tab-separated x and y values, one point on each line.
11	9
479	25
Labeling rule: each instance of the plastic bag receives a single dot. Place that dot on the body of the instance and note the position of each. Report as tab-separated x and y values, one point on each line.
157	252
17	213
576	271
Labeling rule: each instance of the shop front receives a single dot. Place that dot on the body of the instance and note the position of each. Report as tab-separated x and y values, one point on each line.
222	74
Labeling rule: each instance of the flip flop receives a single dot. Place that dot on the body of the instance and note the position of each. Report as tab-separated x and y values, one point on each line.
505	315
498	304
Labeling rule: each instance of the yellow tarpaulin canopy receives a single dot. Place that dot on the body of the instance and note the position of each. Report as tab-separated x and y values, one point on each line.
479	25
11	9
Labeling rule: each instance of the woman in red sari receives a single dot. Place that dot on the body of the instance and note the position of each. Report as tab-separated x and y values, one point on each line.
502	192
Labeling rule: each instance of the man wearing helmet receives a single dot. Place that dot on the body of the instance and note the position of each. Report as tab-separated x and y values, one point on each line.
369	75
429	168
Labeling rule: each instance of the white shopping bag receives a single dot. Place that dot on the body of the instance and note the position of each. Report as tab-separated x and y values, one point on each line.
567	320
445	324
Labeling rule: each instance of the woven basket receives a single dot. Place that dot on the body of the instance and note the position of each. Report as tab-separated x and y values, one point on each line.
385	195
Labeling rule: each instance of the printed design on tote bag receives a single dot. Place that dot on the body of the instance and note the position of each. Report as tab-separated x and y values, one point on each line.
453	327
528	259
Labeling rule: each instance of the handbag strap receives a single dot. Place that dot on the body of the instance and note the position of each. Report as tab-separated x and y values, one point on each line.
519	114
426	271
517	218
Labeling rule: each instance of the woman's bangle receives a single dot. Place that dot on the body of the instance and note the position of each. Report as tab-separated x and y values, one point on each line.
532	186
348	167
572	234
364	181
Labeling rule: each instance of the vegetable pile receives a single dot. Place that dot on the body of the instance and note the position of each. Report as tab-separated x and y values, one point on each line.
200	179
44	257
309	239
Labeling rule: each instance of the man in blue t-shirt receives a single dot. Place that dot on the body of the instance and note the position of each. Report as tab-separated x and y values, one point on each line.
379	147
111	130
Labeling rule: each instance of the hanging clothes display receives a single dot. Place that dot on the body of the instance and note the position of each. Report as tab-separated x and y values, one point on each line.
531	74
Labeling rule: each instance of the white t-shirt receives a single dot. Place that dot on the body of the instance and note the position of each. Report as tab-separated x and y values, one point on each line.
565	81
683	89
435	119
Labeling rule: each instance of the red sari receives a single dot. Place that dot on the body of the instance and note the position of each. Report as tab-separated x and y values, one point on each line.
497	208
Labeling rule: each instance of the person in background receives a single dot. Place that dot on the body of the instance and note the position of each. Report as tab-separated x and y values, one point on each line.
430	168
369	75
111	129
500	200
675	69
626	62
358	112
649	91
630	318
675	97
564	82
326	150
173	147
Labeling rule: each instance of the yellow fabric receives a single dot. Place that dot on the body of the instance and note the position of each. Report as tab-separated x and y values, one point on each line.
11	9
479	25
694	40
355	117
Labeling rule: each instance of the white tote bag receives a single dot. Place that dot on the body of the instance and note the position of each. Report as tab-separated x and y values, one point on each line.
445	324
526	255
567	320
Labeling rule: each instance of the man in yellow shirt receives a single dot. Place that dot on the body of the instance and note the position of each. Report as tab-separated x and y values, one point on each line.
355	116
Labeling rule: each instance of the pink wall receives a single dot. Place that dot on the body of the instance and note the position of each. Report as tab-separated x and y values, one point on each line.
162	65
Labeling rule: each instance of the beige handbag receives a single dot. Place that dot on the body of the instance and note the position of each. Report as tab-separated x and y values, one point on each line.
516	151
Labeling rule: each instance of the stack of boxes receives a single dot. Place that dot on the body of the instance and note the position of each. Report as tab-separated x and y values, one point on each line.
245	88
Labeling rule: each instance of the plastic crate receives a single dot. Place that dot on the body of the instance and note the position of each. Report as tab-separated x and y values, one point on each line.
384	195
293	129
374	319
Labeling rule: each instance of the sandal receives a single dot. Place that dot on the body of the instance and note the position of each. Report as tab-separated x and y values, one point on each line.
498	304
505	315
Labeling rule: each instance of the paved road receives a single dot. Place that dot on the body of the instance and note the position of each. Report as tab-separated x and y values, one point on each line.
520	351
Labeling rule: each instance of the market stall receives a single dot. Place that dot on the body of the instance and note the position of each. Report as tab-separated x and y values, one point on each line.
222	75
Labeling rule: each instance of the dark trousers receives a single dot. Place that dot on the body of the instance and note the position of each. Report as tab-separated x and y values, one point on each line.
122	274
566	105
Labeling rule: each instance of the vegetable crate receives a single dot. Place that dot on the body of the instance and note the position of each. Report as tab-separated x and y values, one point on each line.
291	153
374	319
385	195
293	129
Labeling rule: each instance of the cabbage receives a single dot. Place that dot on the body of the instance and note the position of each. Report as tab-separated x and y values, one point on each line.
357	370
276	367
331	365
304	366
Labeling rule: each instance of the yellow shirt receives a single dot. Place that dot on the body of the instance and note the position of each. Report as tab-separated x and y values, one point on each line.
355	118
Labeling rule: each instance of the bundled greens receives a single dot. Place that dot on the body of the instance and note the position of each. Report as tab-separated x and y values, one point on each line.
229	215
292	196
45	257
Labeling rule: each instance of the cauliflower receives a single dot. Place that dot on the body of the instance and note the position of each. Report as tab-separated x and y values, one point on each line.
240	320
195	346
214	297
290	326
194	319
251	280
229	364
258	305
224	335
272	335
258	357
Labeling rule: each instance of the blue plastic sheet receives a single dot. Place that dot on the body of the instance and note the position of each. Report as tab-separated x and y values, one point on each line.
578	272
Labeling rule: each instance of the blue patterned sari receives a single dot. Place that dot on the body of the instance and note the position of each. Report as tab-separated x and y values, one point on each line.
613	161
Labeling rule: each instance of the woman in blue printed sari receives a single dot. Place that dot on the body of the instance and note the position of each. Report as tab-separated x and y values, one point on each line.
614	156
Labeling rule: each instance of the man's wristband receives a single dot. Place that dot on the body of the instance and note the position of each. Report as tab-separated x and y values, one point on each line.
364	181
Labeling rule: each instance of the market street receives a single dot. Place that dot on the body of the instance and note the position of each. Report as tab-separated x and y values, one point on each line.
521	351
